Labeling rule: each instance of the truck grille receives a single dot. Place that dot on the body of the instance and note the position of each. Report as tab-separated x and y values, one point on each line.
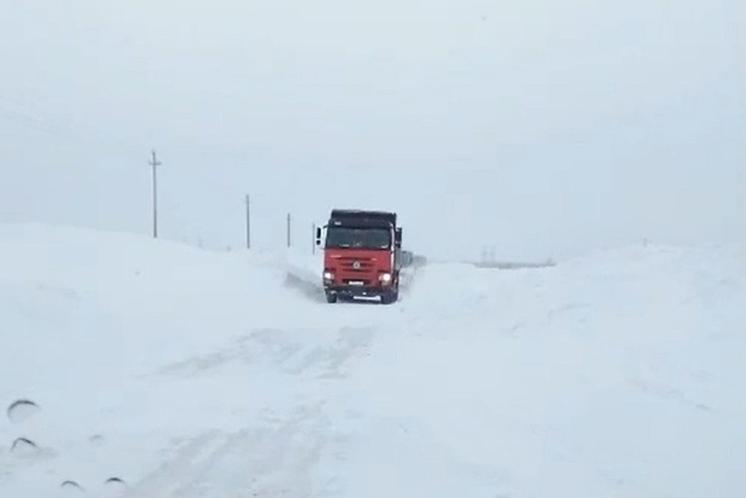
356	265
357	270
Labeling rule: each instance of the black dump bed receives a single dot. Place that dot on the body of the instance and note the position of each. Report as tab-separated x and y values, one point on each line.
357	218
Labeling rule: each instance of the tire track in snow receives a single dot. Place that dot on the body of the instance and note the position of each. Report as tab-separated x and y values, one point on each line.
265	461
273	455
190	460
288	352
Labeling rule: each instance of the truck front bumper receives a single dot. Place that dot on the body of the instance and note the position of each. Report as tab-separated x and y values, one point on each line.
352	291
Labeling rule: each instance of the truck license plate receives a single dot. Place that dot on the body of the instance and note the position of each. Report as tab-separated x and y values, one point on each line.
356	282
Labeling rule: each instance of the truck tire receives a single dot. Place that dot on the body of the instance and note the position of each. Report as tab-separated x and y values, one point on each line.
390	297
331	297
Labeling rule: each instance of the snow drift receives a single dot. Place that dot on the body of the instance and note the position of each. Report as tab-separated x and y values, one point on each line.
155	369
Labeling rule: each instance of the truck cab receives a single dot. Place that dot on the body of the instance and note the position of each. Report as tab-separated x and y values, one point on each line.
362	255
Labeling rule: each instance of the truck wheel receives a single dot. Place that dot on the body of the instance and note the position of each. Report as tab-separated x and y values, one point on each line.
390	297
331	297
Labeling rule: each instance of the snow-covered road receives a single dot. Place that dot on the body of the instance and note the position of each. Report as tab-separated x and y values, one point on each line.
194	374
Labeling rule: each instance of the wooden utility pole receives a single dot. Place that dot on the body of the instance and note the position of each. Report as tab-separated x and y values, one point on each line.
288	230
155	163
313	238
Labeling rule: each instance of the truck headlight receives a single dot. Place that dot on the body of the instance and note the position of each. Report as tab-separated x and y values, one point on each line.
328	276
385	278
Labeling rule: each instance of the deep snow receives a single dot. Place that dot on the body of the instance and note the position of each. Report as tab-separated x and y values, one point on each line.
191	373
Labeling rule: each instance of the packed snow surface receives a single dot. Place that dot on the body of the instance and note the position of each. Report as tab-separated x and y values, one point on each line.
150	369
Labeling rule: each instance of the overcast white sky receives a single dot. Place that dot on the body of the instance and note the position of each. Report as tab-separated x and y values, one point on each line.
543	128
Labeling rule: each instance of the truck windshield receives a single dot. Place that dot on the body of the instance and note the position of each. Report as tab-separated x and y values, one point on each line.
360	238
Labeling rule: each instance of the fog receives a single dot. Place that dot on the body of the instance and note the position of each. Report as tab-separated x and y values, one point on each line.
540	128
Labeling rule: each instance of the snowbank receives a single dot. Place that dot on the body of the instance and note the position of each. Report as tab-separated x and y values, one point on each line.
189	373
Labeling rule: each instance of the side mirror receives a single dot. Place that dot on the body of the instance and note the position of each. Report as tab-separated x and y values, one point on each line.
398	237
318	236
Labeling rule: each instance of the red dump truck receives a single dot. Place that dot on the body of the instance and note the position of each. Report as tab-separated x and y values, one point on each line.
362	255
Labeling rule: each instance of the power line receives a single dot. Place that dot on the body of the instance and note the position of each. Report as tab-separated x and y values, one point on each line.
61	131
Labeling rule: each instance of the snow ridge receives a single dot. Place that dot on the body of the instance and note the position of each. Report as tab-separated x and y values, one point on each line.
132	367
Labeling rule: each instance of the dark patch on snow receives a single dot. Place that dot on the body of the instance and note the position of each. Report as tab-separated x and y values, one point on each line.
96	439
23	444
21	410
115	481
71	485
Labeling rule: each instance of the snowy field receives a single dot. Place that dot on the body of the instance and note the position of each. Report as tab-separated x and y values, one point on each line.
159	370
